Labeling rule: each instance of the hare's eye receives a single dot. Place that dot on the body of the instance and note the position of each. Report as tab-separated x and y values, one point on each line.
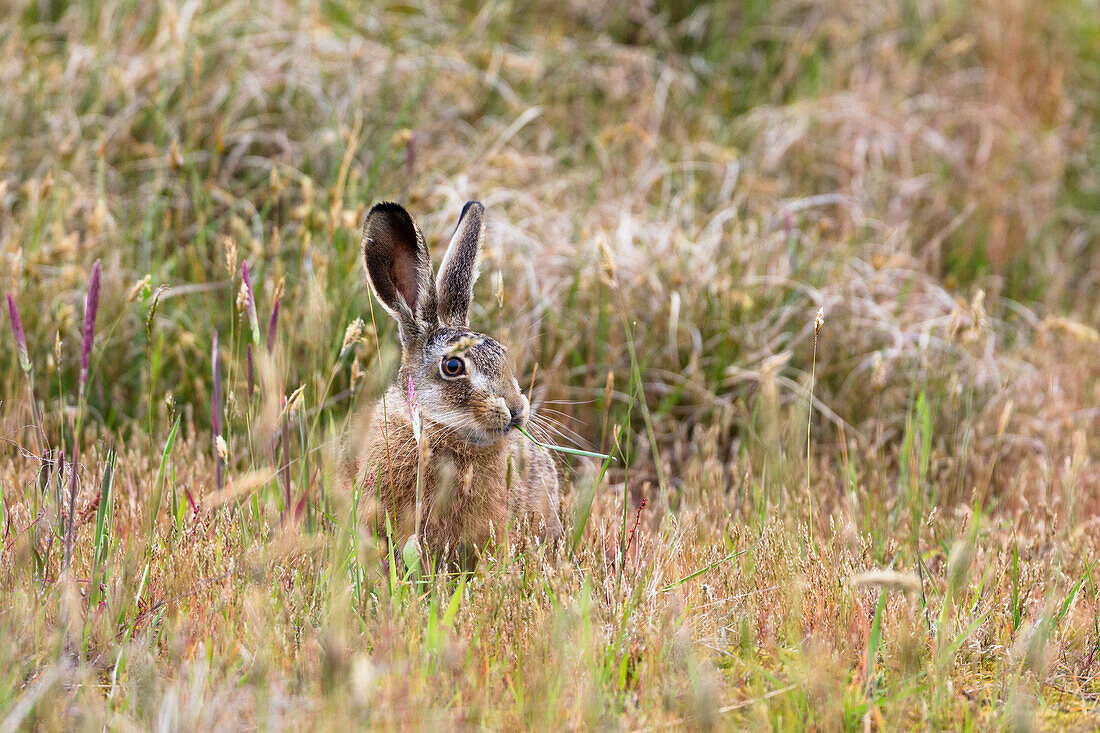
453	366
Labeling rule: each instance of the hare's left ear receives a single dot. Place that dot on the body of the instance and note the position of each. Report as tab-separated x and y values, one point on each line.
459	269
399	269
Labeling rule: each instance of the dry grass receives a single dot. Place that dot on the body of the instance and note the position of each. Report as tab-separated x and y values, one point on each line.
690	181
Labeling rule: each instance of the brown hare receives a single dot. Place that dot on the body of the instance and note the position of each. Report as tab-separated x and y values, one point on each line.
476	471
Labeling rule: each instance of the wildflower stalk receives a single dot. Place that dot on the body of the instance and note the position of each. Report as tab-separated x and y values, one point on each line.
284	466
249	371
91	309
25	365
819	321
417	428
20	336
216	411
410	552
72	506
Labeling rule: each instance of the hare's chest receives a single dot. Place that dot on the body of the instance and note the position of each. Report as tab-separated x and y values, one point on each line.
466	491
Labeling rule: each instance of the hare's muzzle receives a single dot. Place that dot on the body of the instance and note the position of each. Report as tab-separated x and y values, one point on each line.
518	413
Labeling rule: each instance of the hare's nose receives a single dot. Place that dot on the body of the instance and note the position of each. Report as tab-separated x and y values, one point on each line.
519	413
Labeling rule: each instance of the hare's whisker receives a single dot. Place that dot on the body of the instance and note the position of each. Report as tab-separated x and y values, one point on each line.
565	415
565	433
546	432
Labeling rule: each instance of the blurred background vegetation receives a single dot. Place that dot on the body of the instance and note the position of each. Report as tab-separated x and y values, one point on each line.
697	179
747	162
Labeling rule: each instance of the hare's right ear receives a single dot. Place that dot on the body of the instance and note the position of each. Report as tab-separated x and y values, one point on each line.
399	269
459	269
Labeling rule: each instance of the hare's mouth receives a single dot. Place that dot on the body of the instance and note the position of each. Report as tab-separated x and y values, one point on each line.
486	437
476	435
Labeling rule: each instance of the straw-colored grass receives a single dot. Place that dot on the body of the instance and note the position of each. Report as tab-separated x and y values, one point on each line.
674	190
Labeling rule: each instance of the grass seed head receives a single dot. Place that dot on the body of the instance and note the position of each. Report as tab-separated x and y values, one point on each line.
294	402
250	303
464	344
607	264
19	335
888	579
229	245
140	289
352	335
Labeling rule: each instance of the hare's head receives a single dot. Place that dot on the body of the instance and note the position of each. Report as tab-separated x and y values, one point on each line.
463	379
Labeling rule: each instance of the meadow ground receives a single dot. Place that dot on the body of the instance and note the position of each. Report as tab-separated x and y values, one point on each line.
887	522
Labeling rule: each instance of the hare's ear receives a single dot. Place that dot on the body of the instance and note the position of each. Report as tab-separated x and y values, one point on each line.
459	270
399	268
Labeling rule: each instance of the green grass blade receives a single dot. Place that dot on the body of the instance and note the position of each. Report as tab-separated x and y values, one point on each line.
584	503
456	600
875	639
563	449
1067	604
103	517
158	486
707	569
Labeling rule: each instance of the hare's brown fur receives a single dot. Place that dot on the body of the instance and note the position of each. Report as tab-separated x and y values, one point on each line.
477	473
467	491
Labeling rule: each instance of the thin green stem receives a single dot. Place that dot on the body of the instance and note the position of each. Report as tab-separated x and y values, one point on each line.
563	449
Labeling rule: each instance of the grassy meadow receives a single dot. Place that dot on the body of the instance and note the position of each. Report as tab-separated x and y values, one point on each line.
887	519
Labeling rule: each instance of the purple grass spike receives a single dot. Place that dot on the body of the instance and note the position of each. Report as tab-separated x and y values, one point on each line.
250	370
20	337
25	365
250	304
273	324
91	308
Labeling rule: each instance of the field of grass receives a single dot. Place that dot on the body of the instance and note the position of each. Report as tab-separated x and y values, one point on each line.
886	520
